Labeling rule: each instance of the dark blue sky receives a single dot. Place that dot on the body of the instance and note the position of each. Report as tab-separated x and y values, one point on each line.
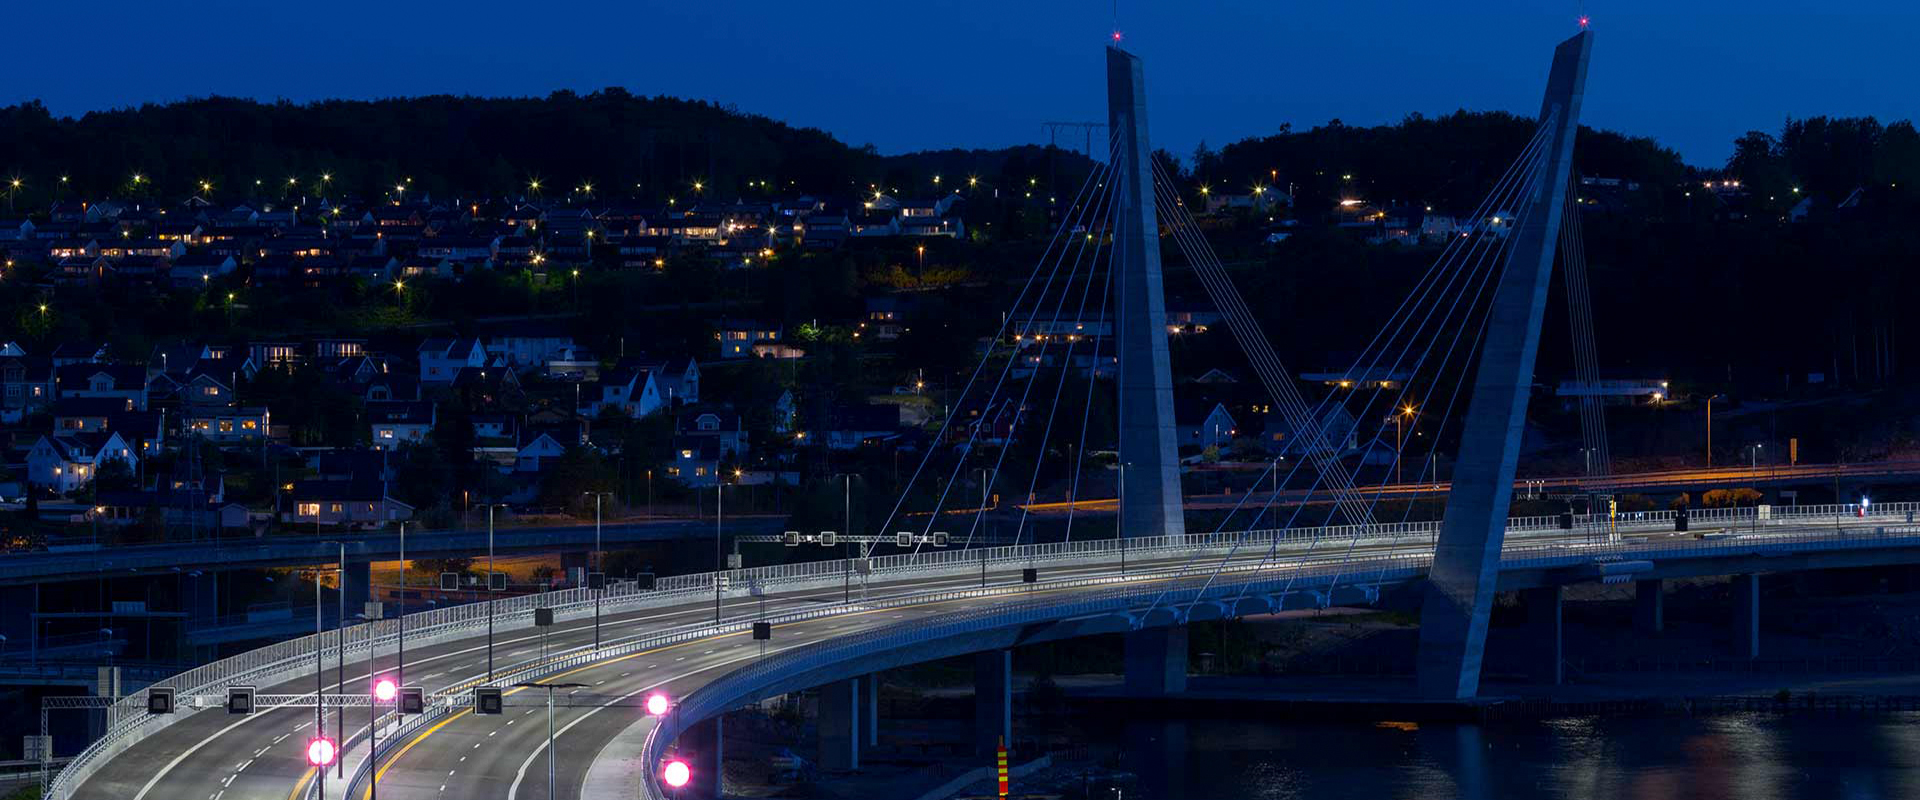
937	73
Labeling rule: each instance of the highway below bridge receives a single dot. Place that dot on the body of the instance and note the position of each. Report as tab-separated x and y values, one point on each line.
361	547
1770	477
830	628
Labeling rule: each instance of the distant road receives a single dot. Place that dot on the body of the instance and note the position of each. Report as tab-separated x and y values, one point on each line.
271	551
1635	482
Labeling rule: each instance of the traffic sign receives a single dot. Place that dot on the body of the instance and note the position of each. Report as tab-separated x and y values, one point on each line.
488	700
413	700
160	700
239	699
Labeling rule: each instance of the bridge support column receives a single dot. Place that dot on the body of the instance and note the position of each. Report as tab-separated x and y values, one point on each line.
701	748
1466	564
840	725
1649	606
870	708
1157	661
1543	633
1150	480
357	585
1746	616
992	701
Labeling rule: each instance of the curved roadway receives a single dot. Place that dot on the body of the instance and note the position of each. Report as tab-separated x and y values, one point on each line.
261	757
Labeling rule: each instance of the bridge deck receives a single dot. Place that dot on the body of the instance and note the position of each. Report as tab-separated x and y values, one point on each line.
490	757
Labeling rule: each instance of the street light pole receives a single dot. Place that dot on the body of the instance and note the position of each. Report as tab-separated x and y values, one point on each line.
340	636
490	508
550	754
719	512
400	672
1710	429
597	557
319	676
846	575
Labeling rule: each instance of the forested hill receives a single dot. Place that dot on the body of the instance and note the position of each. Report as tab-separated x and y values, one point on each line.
469	144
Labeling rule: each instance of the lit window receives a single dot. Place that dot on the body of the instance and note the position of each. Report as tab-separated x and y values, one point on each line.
250	424
334	507
308	509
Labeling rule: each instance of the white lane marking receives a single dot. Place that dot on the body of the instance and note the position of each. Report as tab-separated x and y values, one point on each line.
513	791
176	761
276	739
443	787
642	617
463	758
476	745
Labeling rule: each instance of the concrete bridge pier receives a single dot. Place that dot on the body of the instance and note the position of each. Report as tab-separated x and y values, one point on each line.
1746	615
1544	634
700	746
1156	661
992	701
840	725
1649	606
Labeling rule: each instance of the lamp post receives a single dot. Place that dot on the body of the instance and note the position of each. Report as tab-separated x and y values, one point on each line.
490	508
319	676
401	620
550	754
340	637
1710	399
719	558
846	572
597	497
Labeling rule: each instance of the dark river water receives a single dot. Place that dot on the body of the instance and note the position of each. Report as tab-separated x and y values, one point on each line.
1735	757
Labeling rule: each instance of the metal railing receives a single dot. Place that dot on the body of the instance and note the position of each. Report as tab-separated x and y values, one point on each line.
128	720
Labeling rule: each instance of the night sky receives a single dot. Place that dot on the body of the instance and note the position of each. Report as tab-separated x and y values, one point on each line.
913	75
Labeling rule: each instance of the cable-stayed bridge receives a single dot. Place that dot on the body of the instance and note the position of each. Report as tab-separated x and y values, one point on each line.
1466	335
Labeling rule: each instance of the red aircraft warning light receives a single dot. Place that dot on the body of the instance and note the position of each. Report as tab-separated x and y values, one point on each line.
384	690
320	751
677	773
657	704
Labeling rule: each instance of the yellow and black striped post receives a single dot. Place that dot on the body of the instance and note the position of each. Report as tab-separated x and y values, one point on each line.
1000	764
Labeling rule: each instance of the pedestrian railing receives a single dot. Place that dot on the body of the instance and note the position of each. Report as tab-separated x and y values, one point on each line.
129	722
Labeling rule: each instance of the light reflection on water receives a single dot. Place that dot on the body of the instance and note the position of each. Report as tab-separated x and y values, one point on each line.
1728	757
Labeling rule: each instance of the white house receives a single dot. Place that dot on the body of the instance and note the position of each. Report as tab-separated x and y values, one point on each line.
633	391
442	359
538	452
64	462
1204	425
397	422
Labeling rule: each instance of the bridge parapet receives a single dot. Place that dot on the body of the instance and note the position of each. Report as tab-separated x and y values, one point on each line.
129	721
